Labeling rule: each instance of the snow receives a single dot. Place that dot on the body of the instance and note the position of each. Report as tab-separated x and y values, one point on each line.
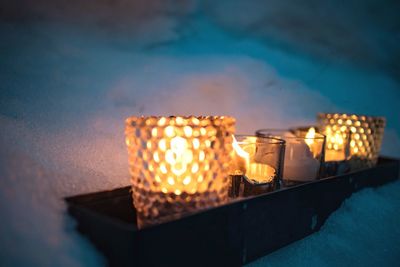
67	88
363	232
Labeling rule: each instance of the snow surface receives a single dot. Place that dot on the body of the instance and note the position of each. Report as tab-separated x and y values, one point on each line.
66	89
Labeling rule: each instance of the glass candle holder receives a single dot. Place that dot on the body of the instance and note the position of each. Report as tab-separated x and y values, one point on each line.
357	137
257	165
178	164
304	153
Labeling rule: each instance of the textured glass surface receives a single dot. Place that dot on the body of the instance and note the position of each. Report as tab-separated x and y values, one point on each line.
358	137
178	164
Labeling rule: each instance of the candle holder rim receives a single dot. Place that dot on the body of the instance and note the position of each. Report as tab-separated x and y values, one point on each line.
323	114
259	133
272	139
153	120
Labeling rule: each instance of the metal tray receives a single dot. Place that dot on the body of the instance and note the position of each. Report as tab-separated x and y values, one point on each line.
230	235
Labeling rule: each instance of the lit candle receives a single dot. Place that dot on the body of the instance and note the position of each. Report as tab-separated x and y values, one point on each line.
250	161
303	153
300	164
178	164
336	145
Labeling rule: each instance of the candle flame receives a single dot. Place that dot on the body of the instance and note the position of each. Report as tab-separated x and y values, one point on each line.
179	156
335	140
239	150
310	136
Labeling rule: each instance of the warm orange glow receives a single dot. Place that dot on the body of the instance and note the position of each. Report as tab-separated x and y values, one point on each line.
240	152
353	137
176	160
335	144
310	137
245	164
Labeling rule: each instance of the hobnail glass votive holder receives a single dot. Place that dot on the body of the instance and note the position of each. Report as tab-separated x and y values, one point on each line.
304	153
178	165
257	165
359	137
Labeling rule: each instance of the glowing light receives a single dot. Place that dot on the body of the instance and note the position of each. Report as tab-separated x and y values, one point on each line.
156	157
188	131
171	180
352	143
171	155
179	120
148	144
195	167
170	131
239	150
357	133
179	156
195	121
187	180
257	172
162	121
196	143
202	155
208	143
154	132
310	137
206	167
162	144
163	168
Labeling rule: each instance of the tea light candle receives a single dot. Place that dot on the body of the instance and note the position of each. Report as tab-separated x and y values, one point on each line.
300	165
178	164
249	161
304	150
336	145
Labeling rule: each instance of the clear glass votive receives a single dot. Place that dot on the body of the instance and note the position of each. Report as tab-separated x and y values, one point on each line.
358	137
304	153
257	165
178	164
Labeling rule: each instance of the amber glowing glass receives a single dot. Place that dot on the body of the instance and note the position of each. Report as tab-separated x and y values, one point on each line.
178	164
356	138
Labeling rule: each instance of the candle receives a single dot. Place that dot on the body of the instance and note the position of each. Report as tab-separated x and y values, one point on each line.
336	145
303	153
178	164
355	138
300	164
250	161
256	166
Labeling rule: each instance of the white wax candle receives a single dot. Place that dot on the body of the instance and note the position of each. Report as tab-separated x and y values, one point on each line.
300	165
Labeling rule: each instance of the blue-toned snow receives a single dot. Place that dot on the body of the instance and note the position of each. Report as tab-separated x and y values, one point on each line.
65	91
